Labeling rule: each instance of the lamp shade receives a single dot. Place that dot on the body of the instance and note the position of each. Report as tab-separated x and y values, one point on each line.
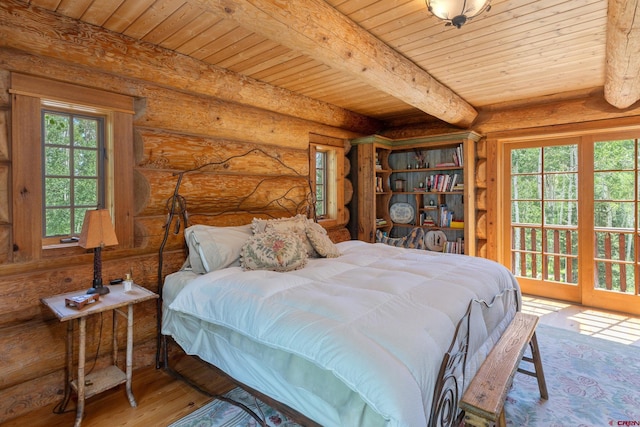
457	12
97	230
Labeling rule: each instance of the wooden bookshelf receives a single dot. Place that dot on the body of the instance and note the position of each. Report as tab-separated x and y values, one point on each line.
398	171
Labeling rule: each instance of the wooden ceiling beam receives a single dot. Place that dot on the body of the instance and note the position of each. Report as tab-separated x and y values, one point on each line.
318	30
622	78
42	32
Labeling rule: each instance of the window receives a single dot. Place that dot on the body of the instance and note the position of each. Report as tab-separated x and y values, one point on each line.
571	224
321	183
86	159
73	170
327	174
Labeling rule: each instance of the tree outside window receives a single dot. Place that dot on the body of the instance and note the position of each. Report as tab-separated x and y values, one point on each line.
73	178
321	183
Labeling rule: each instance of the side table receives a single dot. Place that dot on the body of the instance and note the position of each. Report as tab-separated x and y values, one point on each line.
107	378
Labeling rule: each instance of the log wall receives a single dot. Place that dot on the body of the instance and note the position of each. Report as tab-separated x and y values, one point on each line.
184	117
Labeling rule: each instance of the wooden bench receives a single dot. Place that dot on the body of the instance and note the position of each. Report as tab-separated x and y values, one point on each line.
483	401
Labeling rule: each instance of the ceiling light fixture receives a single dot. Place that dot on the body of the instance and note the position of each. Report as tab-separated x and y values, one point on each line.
457	12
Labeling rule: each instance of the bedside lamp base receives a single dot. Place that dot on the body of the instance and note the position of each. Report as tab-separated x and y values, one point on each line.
98	288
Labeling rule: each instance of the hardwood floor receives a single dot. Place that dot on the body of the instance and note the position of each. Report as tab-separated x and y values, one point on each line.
163	399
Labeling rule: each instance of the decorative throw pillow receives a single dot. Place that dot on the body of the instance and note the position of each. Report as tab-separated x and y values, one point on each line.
259	225
320	240
273	251
391	241
296	225
212	248
415	239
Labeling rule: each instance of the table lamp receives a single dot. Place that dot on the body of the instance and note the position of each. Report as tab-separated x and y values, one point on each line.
97	232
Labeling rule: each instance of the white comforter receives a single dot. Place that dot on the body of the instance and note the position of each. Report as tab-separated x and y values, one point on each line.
379	317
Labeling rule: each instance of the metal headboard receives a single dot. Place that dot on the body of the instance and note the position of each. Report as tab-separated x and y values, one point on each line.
177	210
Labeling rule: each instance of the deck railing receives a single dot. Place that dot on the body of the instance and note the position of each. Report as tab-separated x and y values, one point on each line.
551	253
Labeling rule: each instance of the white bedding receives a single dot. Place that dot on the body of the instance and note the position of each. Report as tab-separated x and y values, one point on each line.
354	340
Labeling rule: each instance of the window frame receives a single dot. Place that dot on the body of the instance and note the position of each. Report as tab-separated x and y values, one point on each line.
100	149
321	201
334	180
30	95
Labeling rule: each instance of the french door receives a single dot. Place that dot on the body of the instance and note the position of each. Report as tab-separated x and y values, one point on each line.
571	222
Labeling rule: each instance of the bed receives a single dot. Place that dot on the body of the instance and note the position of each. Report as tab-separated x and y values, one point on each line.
358	334
354	340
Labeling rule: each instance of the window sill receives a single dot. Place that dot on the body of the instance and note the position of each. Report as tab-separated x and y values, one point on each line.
59	246
62	249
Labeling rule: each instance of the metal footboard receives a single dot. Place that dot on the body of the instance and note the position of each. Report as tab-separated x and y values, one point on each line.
452	379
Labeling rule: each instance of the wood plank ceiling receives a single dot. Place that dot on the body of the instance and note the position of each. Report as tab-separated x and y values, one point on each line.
519	50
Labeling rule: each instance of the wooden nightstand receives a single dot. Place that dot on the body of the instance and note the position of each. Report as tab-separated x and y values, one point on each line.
107	378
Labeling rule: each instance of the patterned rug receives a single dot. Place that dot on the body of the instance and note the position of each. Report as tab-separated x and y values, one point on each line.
591	382
223	414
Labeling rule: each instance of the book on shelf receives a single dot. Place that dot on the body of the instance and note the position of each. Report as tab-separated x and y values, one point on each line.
457	159
446	219
446	165
443	216
426	220
454	181
443	182
454	247
378	183
381	221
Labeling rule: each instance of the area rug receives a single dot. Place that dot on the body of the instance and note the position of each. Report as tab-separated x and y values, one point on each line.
591	383
223	414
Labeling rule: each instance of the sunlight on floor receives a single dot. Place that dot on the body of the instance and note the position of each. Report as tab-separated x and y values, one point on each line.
610	326
540	307
616	327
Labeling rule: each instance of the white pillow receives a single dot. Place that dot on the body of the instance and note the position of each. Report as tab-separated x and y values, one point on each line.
212	248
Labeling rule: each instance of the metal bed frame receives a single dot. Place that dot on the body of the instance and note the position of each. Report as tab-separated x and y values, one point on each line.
451	380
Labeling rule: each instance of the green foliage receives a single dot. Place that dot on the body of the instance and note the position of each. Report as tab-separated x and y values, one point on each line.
321	182
71	170
57	191
550	172
57	161
85	162
57	128
526	160
58	222
85	132
85	192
